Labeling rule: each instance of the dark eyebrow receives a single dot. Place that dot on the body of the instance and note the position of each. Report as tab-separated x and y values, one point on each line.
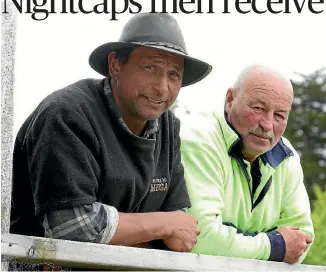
157	60
177	67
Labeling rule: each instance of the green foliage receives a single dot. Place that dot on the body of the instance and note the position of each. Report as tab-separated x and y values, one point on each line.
307	132
307	127
317	252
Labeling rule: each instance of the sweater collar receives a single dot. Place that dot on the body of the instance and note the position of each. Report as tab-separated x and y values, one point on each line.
151	127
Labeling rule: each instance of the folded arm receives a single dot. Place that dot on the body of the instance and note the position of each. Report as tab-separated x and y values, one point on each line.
100	223
95	223
205	183
295	210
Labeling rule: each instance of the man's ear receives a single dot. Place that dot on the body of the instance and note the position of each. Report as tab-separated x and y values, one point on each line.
229	99
113	64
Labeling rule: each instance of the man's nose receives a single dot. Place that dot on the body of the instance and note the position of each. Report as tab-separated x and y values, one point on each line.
266	121
161	84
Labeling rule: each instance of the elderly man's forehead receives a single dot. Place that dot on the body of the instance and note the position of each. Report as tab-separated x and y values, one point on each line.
269	81
260	77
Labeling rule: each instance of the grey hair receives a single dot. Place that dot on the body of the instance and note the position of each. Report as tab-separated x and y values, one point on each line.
256	68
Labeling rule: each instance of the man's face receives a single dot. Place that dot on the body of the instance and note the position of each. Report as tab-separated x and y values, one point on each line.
148	84
260	112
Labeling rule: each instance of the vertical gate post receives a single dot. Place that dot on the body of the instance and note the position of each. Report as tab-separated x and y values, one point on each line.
8	44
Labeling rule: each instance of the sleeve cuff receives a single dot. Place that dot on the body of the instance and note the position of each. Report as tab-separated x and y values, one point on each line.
277	246
112	224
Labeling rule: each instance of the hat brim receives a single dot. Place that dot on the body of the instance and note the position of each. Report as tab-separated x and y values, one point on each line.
194	69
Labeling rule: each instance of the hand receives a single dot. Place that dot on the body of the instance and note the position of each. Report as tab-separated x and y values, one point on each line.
295	242
183	231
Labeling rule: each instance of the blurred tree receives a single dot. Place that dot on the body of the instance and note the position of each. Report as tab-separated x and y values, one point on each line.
317	253
307	127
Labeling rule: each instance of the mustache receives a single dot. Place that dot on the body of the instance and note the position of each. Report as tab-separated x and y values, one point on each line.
261	133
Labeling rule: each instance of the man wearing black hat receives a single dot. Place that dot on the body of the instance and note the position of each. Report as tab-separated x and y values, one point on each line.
99	160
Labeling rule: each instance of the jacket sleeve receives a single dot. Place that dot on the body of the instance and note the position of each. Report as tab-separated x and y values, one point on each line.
205	183
295	209
95	223
61	149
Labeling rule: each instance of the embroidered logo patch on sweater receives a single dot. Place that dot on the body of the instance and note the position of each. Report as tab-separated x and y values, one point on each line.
159	184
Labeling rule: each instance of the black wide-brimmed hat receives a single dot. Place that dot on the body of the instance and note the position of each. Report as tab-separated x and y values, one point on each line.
155	30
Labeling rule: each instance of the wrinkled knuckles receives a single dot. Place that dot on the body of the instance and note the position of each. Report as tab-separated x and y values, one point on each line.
198	231
303	245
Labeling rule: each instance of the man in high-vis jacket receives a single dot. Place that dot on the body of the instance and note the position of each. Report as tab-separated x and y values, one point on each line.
244	179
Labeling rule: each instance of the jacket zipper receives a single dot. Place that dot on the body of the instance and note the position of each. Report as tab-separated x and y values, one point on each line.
247	178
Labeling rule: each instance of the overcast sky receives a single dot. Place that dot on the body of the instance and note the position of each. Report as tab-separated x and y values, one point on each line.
53	53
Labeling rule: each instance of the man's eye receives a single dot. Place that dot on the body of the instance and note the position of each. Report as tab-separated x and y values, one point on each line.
150	67
259	108
279	116
175	74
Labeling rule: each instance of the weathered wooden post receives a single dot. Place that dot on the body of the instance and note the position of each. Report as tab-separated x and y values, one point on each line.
8	31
